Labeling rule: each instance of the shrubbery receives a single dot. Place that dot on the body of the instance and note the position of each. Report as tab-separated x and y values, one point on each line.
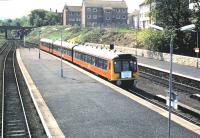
150	39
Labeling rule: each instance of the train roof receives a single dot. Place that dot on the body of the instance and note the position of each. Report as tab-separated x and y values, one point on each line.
46	40
58	43
65	44
98	52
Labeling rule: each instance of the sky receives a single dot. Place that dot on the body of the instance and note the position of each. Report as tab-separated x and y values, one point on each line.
18	8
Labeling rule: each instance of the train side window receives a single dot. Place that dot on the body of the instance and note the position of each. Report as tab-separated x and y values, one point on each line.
81	56
105	64
89	58
93	61
96	62
117	66
101	63
70	52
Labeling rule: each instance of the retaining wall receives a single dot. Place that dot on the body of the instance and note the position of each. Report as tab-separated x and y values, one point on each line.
184	60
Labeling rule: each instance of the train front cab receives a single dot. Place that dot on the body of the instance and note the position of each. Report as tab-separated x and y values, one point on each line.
124	71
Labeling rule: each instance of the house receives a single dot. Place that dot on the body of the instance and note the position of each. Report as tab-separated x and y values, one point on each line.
72	15
99	13
133	19
144	14
144	19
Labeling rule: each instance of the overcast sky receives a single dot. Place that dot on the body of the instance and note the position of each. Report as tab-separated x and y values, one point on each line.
18	8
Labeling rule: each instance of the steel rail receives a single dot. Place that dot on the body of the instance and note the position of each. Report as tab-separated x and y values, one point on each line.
19	92
3	90
190	119
177	85
27	129
4	47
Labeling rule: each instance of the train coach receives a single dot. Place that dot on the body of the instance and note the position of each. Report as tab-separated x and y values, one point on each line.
117	67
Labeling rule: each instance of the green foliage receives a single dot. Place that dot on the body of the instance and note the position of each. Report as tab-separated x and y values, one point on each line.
196	13
173	13
24	21
122	30
40	17
150	39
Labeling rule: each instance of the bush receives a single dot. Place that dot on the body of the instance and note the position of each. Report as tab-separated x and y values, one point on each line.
150	39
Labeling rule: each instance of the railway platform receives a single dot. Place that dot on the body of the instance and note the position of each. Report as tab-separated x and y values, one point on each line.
178	69
84	105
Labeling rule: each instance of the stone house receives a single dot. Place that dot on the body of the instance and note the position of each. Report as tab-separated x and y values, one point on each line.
72	15
98	13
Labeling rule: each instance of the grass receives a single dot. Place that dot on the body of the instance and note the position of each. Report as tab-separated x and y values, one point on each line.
2	39
119	36
123	30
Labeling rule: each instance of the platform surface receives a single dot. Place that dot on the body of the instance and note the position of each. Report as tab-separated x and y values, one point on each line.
85	108
181	70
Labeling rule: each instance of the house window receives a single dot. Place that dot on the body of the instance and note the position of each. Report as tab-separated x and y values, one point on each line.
123	17
88	9
107	18
89	23
117	10
94	9
89	17
118	17
94	16
107	11
123	10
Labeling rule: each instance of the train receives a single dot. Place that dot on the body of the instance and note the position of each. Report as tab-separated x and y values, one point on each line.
114	66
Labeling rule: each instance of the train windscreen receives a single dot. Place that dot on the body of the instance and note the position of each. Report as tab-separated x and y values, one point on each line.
125	65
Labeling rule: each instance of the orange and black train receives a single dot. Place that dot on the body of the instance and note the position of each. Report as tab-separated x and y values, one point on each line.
116	67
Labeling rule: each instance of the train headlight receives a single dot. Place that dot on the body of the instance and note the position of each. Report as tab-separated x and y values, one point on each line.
119	83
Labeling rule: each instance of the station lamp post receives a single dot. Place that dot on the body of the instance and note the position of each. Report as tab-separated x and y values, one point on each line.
184	28
39	44
24	41
61	52
197	48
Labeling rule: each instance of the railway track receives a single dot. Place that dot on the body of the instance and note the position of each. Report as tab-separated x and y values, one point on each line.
179	81
14	122
177	86
183	113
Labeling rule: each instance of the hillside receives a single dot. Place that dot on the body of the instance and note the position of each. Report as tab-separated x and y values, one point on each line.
122	37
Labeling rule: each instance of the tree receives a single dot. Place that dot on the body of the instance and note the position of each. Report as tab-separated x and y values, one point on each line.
173	14
196	13
41	17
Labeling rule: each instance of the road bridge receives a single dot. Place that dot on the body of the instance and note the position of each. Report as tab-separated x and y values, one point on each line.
20	29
